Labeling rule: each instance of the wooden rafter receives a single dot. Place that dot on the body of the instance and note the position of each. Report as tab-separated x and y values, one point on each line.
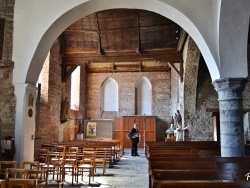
100	51
138	50
183	37
66	72
160	55
180	72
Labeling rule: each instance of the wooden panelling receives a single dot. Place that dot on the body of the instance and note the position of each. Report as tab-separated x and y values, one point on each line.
146	126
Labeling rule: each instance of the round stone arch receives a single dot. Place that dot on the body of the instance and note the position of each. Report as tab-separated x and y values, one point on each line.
39	37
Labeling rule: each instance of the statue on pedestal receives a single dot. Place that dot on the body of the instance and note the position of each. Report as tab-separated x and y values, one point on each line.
64	110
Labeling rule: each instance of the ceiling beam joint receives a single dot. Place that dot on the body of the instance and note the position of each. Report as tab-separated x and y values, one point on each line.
180	72
66	73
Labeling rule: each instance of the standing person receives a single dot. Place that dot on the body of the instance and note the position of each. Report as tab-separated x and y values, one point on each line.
134	136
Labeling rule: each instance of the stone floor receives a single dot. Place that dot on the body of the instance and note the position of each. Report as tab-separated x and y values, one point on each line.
130	172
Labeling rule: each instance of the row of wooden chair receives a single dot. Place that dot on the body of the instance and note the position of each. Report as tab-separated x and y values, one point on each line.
100	159
113	151
69	162
41	177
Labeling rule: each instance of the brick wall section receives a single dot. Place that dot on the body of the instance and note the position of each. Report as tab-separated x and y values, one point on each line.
53	93
7	97
161	105
50	101
83	98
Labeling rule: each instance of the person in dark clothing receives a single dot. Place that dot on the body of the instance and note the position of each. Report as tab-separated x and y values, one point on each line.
135	138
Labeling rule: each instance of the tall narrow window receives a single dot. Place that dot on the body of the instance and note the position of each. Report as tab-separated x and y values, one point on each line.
75	89
143	97
2	23
109	95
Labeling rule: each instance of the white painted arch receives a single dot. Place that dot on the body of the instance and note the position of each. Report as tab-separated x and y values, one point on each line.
50	18
38	23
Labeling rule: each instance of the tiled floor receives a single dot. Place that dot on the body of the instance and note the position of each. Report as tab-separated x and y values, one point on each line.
129	172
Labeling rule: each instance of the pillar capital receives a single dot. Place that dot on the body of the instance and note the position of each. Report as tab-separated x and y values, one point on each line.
233	85
231	115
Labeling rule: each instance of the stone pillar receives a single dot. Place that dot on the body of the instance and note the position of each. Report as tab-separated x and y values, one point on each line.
231	115
25	122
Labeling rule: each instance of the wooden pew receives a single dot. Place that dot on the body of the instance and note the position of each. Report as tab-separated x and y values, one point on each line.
203	184
191	175
207	165
180	159
153	165
240	166
174	155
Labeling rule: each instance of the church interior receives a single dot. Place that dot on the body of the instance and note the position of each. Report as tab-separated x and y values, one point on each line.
114	67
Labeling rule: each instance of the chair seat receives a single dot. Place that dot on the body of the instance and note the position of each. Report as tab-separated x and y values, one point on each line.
85	166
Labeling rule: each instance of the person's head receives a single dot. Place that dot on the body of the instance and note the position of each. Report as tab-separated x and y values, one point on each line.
136	126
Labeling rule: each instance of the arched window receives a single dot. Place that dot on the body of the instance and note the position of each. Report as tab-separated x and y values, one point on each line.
109	95
75	89
143	97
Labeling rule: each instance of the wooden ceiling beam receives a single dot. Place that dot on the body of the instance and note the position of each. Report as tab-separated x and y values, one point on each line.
138	50
96	70
100	51
133	58
66	73
180	72
117	30
182	40
171	51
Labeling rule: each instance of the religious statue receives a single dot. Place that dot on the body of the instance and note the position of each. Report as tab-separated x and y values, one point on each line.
31	100
179	119
175	120
64	110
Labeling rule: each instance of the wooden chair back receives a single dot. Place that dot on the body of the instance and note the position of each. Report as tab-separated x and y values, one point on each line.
24	183
30	165
4	165
41	155
40	175
15	173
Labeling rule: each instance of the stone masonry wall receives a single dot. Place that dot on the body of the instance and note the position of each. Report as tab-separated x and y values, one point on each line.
246	102
161	106
201	121
197	94
7	97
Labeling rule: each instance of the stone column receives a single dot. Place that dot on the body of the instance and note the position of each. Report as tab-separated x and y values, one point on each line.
25	122
231	115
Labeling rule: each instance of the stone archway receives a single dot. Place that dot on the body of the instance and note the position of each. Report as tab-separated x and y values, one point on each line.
50	18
